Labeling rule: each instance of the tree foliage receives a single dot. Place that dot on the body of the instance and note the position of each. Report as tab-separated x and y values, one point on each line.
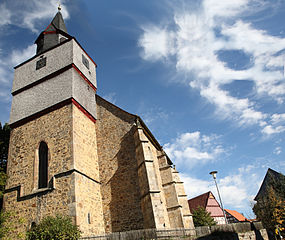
202	218
59	227
4	146
8	223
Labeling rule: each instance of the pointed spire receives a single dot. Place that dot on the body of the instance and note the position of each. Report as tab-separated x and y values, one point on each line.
58	22
54	34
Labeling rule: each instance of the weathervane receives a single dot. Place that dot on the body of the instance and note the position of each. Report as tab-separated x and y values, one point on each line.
59	7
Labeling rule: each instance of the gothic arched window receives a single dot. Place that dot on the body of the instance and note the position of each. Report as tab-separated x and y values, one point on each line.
43	165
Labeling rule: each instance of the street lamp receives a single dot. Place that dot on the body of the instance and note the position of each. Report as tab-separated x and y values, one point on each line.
214	174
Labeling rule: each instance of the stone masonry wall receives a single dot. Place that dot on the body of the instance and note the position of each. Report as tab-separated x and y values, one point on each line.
32	208
85	145
55	129
118	168
89	212
31	203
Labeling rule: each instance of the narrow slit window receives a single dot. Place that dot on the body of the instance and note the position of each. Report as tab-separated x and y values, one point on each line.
43	165
89	218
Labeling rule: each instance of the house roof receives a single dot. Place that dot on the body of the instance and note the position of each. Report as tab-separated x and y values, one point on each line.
208	201
237	215
199	201
270	176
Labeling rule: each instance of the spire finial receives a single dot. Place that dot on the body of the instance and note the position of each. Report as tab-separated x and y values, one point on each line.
59	7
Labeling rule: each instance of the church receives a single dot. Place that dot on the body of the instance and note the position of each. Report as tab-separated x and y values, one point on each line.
74	153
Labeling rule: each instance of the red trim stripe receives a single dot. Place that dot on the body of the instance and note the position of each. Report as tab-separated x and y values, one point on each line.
87	55
50	32
82	109
83	76
47	27
51	109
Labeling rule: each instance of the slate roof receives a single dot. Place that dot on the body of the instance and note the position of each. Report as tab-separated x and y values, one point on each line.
237	215
58	22
57	26
270	176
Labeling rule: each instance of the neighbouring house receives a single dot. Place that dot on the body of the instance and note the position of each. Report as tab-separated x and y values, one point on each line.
234	216
273	180
208	202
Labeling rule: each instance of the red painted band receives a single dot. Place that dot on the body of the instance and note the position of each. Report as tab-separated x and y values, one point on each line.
50	32
83	76
87	55
82	109
51	109
47	27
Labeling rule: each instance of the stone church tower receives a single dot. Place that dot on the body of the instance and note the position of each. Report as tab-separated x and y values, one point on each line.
74	153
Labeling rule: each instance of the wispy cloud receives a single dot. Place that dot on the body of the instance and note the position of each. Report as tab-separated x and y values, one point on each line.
196	42
277	150
236	192
152	116
111	97
28	13
192	148
6	69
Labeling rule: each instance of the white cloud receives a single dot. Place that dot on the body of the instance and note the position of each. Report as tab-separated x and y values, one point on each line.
269	129
27	14
276	125
19	56
277	150
158	43
192	148
224	8
152	115
235	190
111	97
278	118
5	15
195	45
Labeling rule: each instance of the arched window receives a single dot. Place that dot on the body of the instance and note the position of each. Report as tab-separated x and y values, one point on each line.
43	165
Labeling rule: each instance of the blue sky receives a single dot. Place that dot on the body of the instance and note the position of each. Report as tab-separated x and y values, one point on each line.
206	76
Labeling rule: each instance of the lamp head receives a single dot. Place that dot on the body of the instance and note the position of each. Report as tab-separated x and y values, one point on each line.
214	173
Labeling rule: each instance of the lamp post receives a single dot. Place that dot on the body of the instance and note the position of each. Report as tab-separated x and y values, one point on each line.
214	174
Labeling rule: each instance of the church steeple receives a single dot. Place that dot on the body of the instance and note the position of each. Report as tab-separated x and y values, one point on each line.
54	34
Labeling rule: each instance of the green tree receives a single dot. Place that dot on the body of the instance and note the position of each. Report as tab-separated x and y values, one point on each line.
4	145
202	218
59	227
8	222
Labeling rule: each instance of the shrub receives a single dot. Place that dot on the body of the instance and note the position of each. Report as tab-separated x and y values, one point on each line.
51	228
202	218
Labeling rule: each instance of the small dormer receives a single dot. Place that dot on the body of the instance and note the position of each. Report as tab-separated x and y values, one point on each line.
54	34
